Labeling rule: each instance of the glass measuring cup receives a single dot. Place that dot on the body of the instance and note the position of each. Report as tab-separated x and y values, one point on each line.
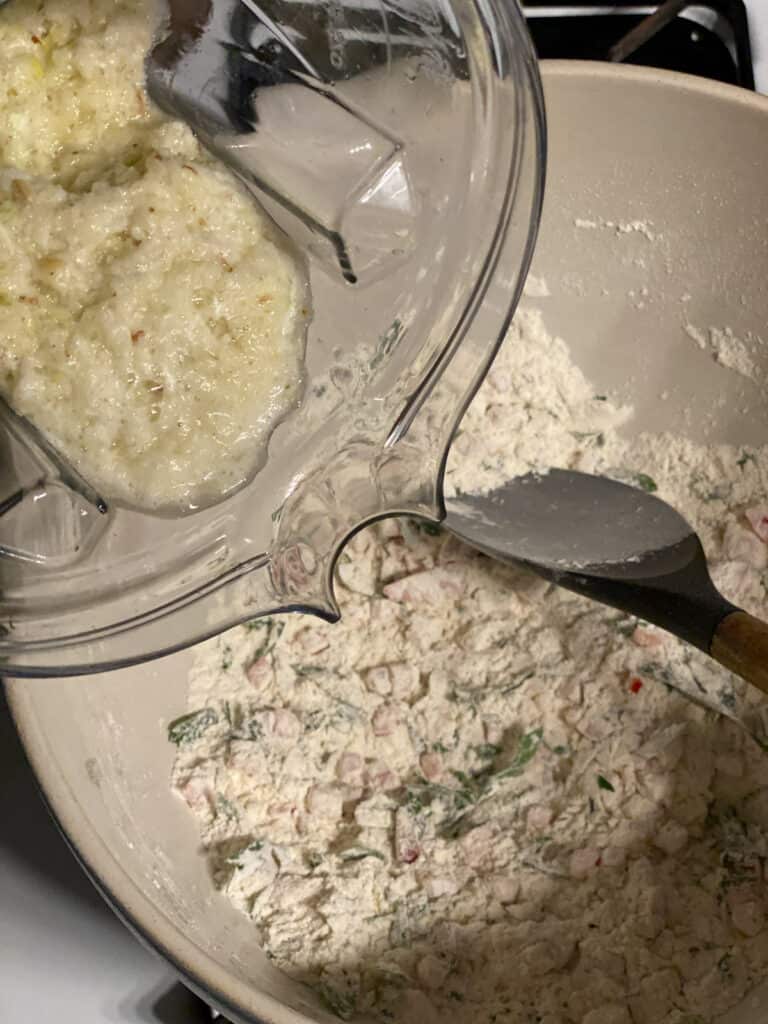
414	273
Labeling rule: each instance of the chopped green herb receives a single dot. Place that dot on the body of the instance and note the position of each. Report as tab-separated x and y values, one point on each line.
560	749
663	675
646	483
225	807
251	729
745	458
724	965
353	853
526	749
487	750
518	681
424	525
314	859
459	801
456	996
226	658
313	720
236	860
600	398
603	783
727	698
270	633
439	747
307	670
595	437
340	1003
419	796
346	712
190	727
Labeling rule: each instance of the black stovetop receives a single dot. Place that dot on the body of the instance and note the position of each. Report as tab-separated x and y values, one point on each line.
709	38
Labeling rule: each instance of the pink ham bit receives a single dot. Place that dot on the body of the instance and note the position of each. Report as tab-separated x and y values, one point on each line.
505	888
431	767
385	720
539	817
286	725
644	637
312	641
196	790
325	802
349	769
378	680
259	672
757	518
477	845
406	680
584	861
407	840
193	793
380	777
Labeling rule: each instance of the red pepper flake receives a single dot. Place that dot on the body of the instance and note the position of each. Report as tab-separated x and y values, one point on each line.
36	40
636	685
409	856
188	168
598	862
136	336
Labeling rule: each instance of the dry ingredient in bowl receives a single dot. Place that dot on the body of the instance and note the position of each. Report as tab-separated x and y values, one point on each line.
479	798
151	321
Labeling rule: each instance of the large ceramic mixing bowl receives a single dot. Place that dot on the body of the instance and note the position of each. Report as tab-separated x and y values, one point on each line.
656	216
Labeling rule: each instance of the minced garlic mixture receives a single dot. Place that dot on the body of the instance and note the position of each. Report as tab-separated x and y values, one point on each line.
151	323
482	799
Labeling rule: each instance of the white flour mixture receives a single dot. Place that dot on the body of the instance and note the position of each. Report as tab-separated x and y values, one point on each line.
482	799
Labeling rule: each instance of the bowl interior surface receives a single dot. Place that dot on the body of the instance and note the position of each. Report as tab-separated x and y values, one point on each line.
656	220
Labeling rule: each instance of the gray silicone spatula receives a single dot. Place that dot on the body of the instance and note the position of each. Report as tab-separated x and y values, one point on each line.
618	545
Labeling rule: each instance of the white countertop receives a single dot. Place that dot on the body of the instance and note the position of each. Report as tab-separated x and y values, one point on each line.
64	957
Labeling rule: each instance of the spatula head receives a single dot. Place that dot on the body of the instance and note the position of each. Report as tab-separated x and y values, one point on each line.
602	538
567	521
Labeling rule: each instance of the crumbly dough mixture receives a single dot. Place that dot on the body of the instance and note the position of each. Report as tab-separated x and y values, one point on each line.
482	799
151	322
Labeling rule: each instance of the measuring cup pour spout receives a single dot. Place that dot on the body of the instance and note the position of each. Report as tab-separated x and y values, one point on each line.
399	149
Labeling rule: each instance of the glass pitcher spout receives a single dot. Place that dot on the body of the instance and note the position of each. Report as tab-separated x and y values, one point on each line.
445	201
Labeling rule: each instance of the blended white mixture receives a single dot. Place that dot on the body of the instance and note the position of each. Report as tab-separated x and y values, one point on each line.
151	321
482	799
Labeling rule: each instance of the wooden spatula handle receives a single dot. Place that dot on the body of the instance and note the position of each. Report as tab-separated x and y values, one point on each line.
740	643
